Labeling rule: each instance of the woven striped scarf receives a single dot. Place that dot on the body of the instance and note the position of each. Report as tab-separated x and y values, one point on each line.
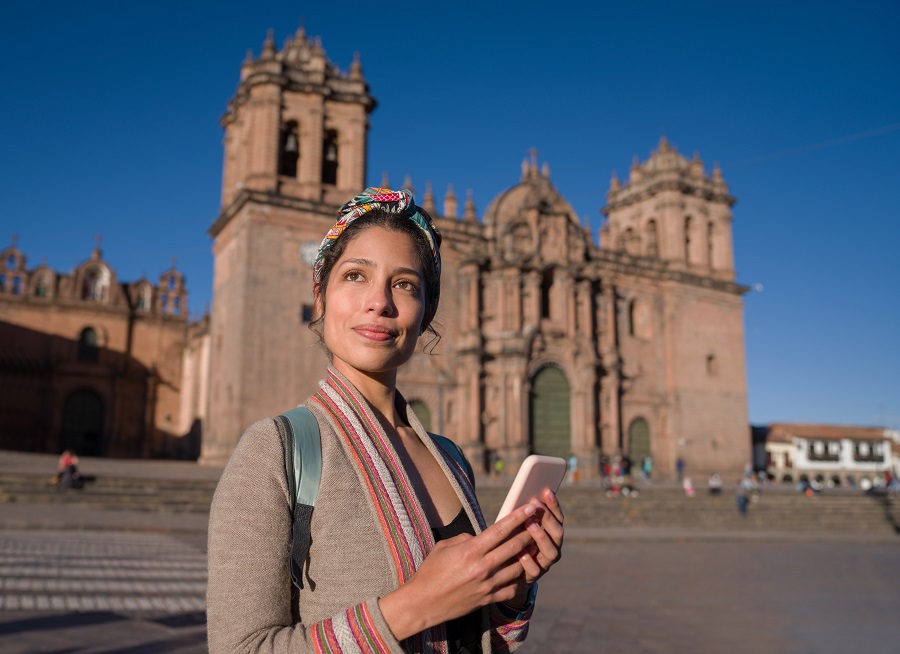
398	510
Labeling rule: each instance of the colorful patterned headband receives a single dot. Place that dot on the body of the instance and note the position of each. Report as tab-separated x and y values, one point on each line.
398	203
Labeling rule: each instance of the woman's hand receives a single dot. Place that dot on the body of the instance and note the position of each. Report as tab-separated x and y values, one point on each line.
466	572
546	528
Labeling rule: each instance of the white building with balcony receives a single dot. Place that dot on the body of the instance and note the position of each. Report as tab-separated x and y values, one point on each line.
831	454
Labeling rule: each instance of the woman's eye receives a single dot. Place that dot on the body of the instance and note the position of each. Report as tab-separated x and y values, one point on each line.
353	276
407	286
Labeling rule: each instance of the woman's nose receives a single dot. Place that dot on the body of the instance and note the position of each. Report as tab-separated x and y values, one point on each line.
380	300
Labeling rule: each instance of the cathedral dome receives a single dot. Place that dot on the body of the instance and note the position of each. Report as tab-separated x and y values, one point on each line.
534	191
533	222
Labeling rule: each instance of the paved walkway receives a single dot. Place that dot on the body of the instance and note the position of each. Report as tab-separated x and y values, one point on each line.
81	579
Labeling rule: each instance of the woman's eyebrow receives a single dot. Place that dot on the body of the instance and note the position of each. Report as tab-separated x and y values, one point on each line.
359	261
408	271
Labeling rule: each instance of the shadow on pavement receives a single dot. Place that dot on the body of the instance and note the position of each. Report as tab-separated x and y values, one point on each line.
46	623
179	620
159	646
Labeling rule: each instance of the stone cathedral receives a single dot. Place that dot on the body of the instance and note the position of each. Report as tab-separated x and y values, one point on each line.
549	342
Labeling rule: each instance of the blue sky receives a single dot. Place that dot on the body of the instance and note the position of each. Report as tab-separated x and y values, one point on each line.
109	125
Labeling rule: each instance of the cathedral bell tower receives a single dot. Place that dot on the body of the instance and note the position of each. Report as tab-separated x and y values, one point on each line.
295	150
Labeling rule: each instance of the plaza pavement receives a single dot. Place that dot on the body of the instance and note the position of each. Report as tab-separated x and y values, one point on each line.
81	579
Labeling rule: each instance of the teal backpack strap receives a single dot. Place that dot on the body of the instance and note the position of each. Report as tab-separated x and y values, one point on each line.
456	454
303	467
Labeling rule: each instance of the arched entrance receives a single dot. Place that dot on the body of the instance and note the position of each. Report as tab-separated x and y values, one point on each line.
422	413
82	424
549	407
638	442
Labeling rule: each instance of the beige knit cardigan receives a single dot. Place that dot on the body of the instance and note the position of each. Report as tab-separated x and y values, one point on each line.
252	605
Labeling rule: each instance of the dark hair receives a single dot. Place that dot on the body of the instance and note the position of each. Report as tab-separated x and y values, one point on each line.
391	222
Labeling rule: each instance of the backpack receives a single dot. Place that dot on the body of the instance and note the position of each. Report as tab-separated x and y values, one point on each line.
303	467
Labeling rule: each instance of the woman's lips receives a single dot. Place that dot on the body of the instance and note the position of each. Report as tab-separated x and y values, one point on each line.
375	332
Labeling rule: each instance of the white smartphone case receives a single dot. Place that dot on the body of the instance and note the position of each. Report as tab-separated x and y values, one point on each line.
537	473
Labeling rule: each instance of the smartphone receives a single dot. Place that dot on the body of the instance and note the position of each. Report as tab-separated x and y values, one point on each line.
537	473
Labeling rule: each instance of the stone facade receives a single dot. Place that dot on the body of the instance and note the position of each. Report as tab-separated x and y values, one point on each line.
90	363
549	343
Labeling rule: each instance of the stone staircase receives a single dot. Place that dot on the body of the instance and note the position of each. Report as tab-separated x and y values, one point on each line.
123	493
778	509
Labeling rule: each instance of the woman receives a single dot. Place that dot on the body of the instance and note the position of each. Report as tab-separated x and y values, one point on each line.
376	580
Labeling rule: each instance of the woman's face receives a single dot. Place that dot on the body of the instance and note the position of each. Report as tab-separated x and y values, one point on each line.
375	303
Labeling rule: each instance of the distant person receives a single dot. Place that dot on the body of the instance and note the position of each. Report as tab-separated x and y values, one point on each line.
715	484
67	470
679	468
647	467
688	486
745	489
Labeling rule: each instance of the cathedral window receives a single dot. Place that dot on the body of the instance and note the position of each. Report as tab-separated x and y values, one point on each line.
164	303
330	157
176	305
632	242
144	297
17	285
640	324
289	150
687	239
88	342
652	239
95	285
2	282
172	282
11	261
546	286
40	289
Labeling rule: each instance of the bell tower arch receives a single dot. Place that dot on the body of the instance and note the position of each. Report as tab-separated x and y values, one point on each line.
295	150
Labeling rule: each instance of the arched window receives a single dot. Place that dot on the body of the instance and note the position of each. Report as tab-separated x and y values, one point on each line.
289	151
11	261
330	157
640	324
632	242
164	303
422	413
549	406
95	286
42	284
17	285
144	298
687	239
88	342
2	282
546	285
172	282
652	239
176	305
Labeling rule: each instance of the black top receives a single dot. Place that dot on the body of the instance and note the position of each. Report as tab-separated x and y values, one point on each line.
464	633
